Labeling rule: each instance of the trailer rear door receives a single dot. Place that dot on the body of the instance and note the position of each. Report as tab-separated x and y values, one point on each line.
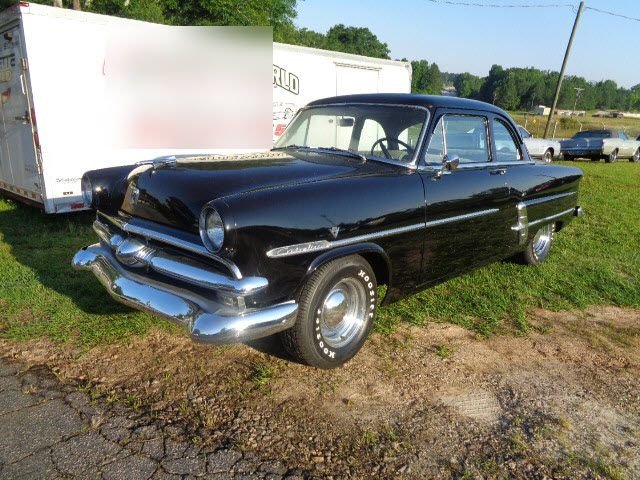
19	170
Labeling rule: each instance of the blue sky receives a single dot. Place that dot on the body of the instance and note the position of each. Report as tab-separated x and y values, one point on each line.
471	39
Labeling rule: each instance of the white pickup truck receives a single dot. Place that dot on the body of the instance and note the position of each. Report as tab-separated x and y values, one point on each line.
601	144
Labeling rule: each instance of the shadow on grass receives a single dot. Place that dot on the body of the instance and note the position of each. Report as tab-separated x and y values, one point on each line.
46	244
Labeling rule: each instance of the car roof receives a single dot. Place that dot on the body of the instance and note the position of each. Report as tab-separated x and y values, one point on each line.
600	130
427	101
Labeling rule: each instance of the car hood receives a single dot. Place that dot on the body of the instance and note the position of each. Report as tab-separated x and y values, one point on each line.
174	194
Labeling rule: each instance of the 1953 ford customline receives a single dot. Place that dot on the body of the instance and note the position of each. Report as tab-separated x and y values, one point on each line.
400	190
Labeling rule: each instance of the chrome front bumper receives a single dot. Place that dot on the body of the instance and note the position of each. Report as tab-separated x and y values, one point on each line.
205	317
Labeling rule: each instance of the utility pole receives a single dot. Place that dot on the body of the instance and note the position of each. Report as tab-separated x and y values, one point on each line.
564	66
575	104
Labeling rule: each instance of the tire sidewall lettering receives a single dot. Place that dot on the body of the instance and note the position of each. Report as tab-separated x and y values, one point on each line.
320	343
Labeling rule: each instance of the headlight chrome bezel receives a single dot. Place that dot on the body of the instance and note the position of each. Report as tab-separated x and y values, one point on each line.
87	191
212	229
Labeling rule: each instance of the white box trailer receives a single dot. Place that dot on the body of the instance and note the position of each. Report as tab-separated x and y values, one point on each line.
302	74
52	99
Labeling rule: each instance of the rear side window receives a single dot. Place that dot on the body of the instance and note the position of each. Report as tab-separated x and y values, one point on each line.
464	136
507	149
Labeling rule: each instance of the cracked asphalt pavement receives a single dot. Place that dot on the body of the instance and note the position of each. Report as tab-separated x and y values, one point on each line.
54	431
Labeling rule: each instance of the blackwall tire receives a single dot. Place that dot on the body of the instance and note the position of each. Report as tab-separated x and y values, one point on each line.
547	157
337	307
636	156
612	157
539	247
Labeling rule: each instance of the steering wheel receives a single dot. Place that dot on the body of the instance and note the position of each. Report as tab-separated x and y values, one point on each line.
385	150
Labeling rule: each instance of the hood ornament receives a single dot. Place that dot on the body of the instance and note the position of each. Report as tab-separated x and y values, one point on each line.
334	231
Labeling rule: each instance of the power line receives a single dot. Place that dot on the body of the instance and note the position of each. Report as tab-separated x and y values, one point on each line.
504	5
613	14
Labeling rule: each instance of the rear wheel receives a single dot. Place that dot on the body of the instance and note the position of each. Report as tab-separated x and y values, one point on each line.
636	156
548	156
612	157
539	247
337	307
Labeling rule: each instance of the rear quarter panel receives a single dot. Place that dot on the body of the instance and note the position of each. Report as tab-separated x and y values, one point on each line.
546	190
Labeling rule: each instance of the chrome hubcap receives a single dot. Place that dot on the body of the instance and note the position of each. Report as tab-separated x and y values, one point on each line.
343	313
542	240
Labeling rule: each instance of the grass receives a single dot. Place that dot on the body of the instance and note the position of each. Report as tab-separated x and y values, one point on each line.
40	294
595	261
568	126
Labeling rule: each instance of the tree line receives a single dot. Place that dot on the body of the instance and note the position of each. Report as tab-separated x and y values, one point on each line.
511	88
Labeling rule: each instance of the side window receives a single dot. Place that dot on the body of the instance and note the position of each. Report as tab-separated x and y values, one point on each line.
507	149
523	133
623	136
461	135
466	137
435	151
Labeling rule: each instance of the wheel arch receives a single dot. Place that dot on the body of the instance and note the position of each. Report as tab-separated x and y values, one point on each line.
373	253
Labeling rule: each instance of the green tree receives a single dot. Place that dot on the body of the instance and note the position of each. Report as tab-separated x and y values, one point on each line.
358	40
467	85
434	80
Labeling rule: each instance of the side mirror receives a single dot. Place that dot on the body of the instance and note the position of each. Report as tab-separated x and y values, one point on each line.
450	162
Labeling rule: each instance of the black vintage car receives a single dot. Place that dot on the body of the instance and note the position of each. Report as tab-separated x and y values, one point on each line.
361	191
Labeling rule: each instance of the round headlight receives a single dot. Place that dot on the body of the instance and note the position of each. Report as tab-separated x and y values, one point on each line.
87	191
212	230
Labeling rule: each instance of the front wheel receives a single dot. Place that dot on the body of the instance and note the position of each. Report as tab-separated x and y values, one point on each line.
539	247
336	310
612	157
636	156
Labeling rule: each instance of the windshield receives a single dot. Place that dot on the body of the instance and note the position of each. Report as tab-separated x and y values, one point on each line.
375	131
593	134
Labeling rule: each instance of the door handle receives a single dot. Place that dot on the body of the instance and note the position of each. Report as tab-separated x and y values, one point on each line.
498	171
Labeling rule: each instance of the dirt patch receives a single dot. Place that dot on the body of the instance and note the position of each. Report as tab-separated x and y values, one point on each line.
439	401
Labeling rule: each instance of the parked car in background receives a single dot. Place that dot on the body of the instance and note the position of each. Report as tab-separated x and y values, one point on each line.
601	144
542	148
360	191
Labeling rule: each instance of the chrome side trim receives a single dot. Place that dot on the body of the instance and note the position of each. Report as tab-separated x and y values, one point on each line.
457	218
134	253
522	227
173	241
205	320
471	166
306	247
548	198
553	217
319	245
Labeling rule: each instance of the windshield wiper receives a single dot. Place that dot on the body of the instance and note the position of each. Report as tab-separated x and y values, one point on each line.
351	153
344	151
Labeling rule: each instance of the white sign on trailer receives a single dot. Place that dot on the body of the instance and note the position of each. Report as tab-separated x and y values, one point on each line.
302	75
57	103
